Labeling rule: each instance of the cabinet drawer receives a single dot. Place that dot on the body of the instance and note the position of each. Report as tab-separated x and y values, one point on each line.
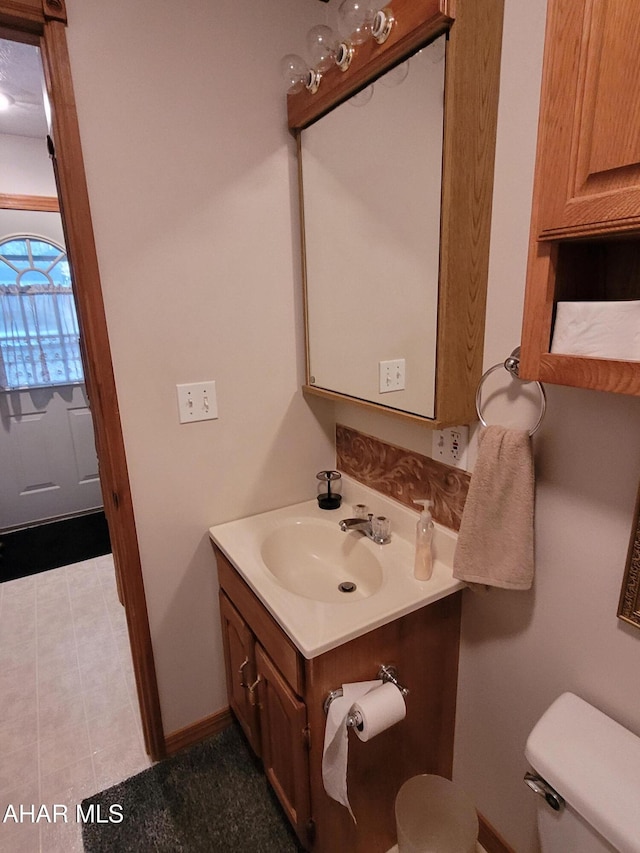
271	636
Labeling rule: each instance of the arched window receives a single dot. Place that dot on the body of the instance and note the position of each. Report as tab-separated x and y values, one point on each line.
39	336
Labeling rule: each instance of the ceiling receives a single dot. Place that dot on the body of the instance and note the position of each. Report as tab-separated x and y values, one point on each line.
22	80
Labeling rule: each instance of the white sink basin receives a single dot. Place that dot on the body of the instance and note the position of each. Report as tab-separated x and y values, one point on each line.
315	559
295	558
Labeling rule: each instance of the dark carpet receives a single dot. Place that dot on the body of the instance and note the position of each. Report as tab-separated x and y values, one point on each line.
211	797
53	544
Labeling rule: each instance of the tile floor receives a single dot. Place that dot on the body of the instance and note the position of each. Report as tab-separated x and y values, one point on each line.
69	718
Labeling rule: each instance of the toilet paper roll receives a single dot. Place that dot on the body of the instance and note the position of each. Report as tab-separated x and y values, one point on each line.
336	741
379	710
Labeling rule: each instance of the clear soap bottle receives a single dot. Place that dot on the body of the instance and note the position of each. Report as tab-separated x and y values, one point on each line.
423	567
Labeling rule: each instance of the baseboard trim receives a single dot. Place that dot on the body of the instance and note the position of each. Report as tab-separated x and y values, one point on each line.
490	839
197	732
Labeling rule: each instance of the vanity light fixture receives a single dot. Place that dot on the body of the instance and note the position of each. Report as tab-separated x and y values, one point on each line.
355	19
358	20
322	44
298	75
344	55
313	80
382	25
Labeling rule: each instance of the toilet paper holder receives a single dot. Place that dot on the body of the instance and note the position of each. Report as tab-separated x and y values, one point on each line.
387	674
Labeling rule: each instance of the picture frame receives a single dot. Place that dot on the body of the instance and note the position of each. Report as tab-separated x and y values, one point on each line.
629	605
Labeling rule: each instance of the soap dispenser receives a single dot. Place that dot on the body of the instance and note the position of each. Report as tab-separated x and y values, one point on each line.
423	567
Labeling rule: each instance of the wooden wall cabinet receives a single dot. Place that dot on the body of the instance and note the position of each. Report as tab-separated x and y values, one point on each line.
585	226
287	697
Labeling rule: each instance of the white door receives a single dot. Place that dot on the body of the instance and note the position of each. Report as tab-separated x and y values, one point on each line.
47	455
48	462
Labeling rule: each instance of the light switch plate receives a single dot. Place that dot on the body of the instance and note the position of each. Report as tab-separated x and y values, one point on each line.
391	375
197	402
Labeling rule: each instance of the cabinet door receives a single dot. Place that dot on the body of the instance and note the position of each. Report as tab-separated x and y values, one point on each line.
240	667
588	171
285	754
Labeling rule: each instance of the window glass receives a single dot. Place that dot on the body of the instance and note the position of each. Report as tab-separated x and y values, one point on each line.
39	335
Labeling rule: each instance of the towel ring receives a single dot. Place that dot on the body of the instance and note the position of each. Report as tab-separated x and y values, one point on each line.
512	366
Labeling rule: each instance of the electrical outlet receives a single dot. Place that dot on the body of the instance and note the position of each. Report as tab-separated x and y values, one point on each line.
391	374
197	402
450	445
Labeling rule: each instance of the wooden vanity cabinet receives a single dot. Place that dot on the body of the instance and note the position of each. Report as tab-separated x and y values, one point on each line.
285	744
289	693
272	717
241	671
267	695
585	226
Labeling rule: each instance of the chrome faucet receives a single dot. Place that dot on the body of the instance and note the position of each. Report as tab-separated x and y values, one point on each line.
375	529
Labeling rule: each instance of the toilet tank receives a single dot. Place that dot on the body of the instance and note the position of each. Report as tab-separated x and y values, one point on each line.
594	764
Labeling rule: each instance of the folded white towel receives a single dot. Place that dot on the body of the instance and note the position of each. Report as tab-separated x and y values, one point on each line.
495	542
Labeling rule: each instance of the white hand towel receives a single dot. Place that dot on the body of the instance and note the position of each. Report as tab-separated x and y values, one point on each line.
495	542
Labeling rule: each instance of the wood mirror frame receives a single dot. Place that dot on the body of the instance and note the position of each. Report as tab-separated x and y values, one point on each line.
629	606
474	29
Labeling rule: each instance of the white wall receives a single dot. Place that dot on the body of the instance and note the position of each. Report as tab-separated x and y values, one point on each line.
191	176
25	167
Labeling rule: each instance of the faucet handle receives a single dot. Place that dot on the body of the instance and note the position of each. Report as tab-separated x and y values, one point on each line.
361	511
381	528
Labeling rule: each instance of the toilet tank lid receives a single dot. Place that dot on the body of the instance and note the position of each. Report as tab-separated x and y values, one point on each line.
594	763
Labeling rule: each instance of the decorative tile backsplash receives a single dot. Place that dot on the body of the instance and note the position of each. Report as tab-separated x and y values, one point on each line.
403	474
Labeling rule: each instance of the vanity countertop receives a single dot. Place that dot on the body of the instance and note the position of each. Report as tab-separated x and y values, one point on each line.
316	626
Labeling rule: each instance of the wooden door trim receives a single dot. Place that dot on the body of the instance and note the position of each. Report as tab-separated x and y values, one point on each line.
19	20
40	203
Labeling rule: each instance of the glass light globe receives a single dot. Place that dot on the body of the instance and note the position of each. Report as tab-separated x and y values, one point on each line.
362	97
355	18
396	76
295	72
321	44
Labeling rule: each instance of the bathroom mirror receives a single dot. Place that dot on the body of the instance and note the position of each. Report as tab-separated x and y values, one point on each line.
371	177
629	606
395	200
